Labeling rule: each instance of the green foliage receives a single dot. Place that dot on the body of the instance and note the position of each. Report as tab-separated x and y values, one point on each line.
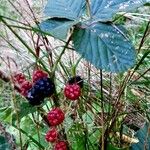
69	9
4	145
57	27
104	10
104	45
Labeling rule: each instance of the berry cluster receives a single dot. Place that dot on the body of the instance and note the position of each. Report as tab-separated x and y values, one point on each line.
55	117
41	87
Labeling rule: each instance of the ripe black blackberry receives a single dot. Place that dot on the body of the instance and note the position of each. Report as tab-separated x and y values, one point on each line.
42	88
76	79
45	86
34	97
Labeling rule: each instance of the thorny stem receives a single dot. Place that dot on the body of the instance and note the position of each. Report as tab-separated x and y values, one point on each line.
141	76
146	32
102	140
110	94
18	119
59	58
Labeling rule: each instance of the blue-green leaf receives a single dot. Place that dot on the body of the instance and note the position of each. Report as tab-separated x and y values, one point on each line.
57	27
105	46
103	10
70	9
144	139
4	145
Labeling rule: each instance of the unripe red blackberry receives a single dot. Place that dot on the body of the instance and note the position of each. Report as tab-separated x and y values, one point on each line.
38	74
19	78
24	87
72	91
56	116
51	135
60	145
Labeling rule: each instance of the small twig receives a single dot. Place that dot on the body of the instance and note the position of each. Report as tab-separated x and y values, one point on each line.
144	36
102	138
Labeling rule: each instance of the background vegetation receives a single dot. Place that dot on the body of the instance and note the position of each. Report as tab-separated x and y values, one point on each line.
114	109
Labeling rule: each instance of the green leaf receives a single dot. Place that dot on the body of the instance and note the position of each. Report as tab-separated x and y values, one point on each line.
105	46
6	114
103	10
57	27
77	137
70	9
25	109
4	145
144	139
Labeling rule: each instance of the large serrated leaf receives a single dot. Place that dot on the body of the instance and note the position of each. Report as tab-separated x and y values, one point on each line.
57	27
105	46
144	139
70	9
103	10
